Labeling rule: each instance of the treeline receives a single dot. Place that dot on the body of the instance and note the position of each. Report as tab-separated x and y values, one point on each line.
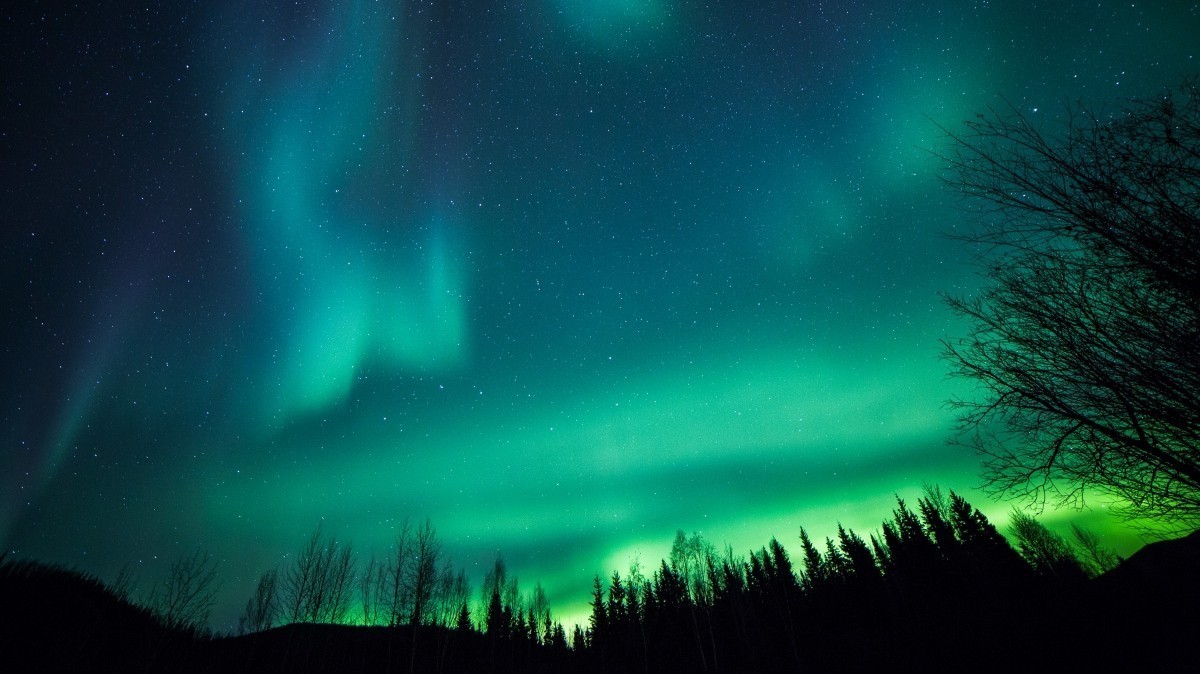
414	585
55	619
936	585
323	610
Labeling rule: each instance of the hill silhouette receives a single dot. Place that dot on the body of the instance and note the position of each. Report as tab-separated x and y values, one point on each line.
58	619
1151	601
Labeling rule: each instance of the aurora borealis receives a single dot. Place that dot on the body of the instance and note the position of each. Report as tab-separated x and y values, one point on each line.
563	276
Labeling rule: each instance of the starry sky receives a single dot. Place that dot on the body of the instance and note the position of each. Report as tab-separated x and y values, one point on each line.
563	276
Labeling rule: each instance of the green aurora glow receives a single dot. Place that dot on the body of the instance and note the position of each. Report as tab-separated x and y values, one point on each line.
562	276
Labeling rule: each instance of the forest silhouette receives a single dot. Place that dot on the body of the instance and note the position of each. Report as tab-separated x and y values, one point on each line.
937	588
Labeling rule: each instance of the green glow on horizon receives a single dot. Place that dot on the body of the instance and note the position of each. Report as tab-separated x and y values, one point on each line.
772	419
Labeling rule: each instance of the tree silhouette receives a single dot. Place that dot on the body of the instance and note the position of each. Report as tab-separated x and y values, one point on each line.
186	596
124	584
372	584
815	571
424	574
397	591
262	609
497	621
862	563
598	620
1047	552
1096	558
456	600
463	621
318	586
1086	340
985	550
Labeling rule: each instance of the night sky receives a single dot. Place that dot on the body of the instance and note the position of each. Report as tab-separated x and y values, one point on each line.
563	276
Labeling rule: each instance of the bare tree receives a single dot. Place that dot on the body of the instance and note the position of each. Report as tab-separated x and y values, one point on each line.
423	577
398	589
262	609
124	584
539	612
318	586
457	596
1096	558
299	579
423	582
186	596
340	584
511	598
690	557
1045	550
1085	345
371	586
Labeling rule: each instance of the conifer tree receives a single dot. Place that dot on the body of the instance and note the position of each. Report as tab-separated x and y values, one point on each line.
814	567
984	546
940	530
836	564
599	621
854	548
463	622
913	552
494	619
616	602
782	572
